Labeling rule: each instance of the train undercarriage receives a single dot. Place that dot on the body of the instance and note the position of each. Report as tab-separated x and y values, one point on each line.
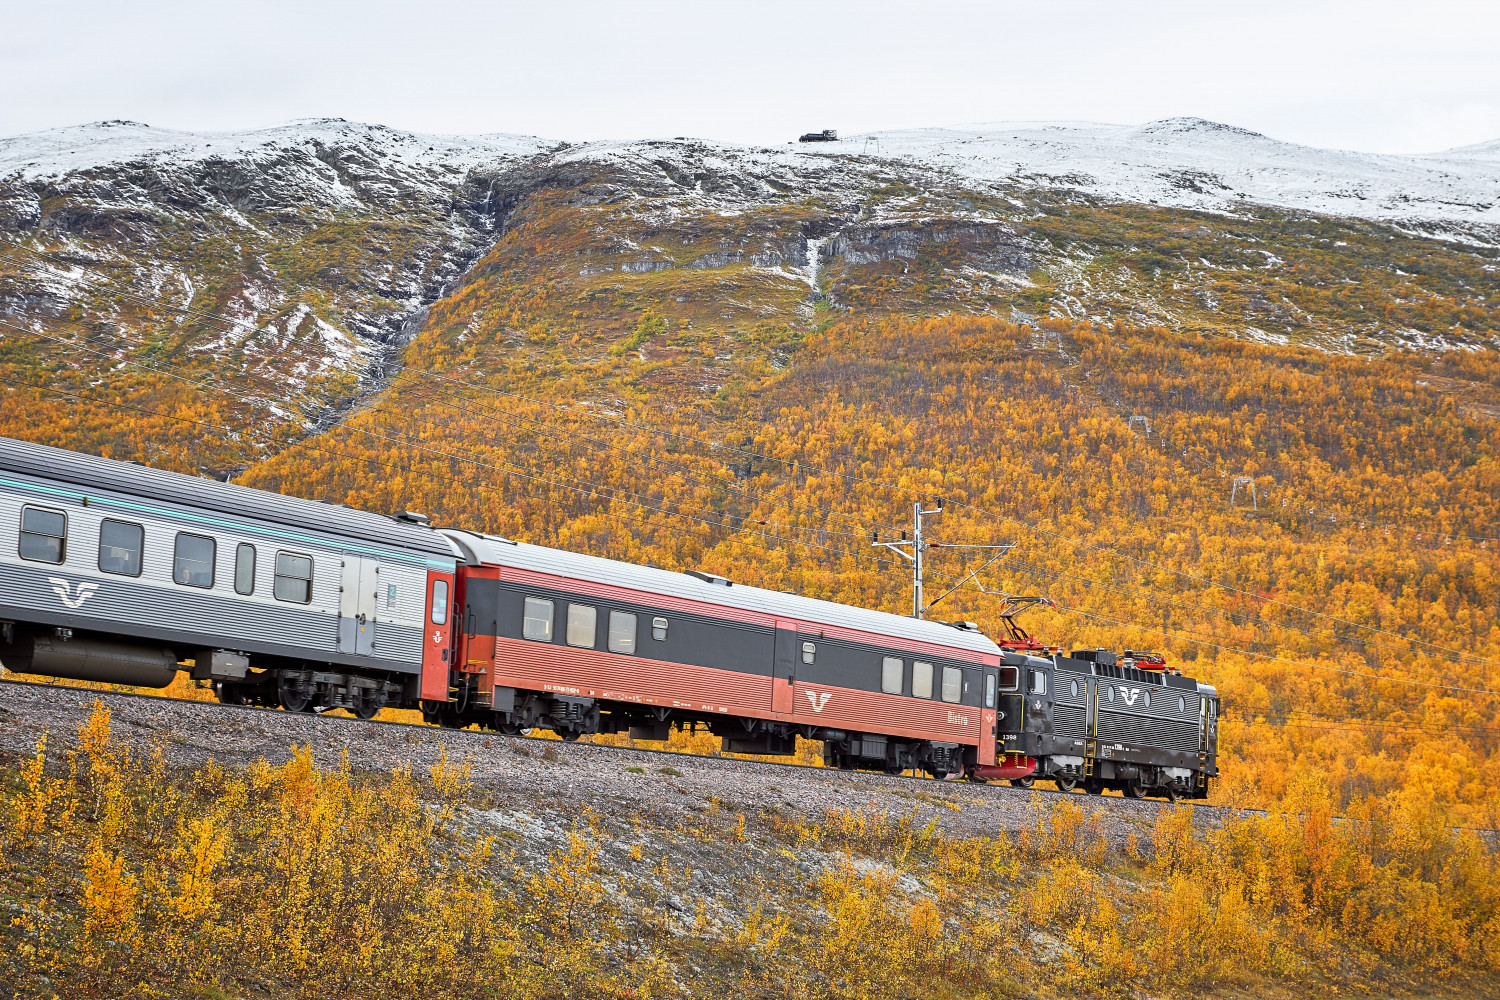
514	712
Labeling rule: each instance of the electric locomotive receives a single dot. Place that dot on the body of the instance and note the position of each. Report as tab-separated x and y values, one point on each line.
1097	720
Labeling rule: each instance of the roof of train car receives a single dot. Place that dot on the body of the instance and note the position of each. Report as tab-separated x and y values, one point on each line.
503	552
92	471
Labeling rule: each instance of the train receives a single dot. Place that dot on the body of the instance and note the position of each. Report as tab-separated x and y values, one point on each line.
121	573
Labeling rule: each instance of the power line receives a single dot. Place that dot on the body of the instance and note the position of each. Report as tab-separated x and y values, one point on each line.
749	493
1234	618
958	503
1285	722
849	477
605	492
1279	659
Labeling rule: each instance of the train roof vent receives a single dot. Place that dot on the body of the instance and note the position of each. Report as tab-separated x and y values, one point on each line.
412	517
717	581
964	626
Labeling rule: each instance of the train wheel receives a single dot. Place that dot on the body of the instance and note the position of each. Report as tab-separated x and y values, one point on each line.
1094	787
1171	792
295	702
1065	784
1025	782
1135	790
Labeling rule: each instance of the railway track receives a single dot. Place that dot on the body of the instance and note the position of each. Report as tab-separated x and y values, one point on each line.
521	771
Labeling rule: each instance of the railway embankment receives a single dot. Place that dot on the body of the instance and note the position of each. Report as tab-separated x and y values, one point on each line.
163	847
541	775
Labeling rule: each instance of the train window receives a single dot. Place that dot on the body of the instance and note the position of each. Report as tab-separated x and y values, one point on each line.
44	535
1038	682
537	623
953	681
120	544
1073	689
921	679
1010	679
892	674
809	651
1111	694
583	622
989	690
244	569
193	560
439	602
293	581
1181	703
621	632
658	629
1146	695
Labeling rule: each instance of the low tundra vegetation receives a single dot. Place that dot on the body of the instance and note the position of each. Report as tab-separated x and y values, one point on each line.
124	877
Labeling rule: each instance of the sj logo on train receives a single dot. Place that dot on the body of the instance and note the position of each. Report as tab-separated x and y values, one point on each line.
63	589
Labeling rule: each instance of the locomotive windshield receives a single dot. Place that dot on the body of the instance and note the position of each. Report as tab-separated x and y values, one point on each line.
1010	678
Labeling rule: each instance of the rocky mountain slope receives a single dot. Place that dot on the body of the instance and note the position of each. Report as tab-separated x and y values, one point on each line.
235	292
321	242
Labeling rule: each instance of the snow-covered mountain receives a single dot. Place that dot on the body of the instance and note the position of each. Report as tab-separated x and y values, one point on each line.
1197	164
1180	162
310	254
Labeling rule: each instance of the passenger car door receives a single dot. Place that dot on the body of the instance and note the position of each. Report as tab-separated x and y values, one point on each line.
359	603
784	668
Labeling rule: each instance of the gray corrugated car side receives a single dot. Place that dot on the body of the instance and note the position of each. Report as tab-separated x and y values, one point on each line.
91	472
78	594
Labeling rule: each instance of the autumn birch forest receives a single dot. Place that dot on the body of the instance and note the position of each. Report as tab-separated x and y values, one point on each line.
720	418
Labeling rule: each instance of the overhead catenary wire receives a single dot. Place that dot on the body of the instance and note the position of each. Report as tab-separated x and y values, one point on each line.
209	317
749	493
614	494
1019	523
613	515
1235	618
585	486
604	492
1278	659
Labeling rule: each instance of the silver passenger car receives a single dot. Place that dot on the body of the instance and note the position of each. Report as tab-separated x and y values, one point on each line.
118	572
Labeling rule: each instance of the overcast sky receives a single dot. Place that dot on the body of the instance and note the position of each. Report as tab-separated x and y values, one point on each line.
1372	75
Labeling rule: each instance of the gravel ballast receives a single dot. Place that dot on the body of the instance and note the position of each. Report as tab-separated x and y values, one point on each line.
532	774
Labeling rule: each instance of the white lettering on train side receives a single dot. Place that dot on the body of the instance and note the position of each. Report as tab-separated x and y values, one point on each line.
958	720
819	700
